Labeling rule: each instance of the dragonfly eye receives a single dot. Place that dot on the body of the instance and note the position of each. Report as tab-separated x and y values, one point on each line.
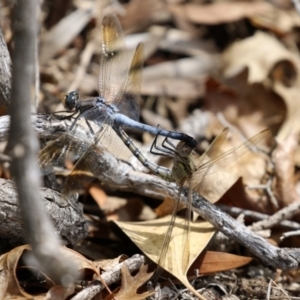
71	100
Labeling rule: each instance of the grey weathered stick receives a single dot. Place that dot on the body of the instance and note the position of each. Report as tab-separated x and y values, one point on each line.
279	218
67	216
23	148
5	72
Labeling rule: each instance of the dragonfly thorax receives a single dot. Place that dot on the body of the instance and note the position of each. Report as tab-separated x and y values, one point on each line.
183	165
110	109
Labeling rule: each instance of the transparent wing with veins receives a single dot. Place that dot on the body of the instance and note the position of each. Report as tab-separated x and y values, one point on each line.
191	170
120	69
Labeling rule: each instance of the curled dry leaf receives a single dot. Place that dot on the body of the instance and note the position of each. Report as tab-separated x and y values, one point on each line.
10	285
149	237
267	85
254	77
246	53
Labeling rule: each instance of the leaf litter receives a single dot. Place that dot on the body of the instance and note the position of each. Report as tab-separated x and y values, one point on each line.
206	70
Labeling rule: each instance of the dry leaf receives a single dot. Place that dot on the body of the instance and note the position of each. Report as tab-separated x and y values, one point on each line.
106	264
98	195
59	292
221	165
279	21
63	33
251	108
130	284
10	286
180	78
214	13
246	53
9	283
139	13
149	237
167	207
211	262
285	188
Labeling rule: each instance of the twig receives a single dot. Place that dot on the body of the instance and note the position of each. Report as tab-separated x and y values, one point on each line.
23	147
5	72
278	217
110	277
268	221
289	234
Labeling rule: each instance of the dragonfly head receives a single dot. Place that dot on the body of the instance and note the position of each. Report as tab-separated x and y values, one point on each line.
71	100
183	150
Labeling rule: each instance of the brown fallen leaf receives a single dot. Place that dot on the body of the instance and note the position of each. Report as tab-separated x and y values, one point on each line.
277	20
249	107
211	262
246	53
149	237
10	286
63	33
215	172
181	78
167	207
98	195
214	13
285	188
130	284
9	283
139	13
59	292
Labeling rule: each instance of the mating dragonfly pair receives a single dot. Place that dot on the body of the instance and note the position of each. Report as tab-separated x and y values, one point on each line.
118	107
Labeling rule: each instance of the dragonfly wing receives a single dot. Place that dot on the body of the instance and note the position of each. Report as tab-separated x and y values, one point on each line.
59	153
213	151
130	105
115	66
65	148
186	161
114	62
86	168
82	173
222	178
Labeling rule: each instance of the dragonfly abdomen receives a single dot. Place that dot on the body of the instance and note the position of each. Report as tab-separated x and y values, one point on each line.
157	170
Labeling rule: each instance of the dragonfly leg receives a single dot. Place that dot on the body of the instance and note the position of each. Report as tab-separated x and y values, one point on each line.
74	122
171	146
164	151
90	127
64	117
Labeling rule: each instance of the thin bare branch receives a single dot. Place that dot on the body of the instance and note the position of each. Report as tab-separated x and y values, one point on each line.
5	72
23	148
